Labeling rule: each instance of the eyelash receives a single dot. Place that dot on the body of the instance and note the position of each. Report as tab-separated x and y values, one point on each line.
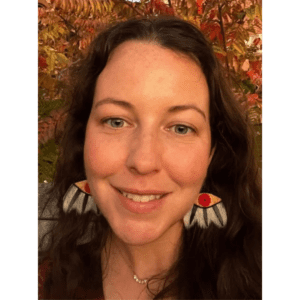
190	129
109	120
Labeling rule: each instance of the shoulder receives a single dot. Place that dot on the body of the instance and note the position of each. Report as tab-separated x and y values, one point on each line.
44	271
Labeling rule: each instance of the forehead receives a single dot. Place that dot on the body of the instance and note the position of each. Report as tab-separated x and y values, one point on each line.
143	70
151	51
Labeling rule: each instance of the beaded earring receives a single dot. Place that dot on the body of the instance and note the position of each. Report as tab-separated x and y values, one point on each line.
78	198
209	209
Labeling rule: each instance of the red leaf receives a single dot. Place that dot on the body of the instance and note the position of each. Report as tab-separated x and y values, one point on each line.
256	66
212	14
215	31
162	7
219	56
257	41
90	30
212	29
253	75
42	62
252	98
203	26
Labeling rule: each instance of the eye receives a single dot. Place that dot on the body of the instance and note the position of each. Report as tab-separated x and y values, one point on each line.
115	122
182	129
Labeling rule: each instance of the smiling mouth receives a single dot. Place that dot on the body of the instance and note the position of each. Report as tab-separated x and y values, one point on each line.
141	198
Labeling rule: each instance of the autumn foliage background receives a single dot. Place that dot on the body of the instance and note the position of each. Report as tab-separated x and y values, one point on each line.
66	28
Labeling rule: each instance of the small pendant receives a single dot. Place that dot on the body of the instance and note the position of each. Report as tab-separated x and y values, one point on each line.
138	280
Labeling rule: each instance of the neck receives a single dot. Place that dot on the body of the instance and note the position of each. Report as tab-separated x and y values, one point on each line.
147	260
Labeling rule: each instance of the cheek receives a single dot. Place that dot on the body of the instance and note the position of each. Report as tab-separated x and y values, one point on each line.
188	166
102	156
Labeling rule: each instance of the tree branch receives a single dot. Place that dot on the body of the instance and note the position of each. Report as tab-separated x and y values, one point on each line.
223	34
68	24
131	6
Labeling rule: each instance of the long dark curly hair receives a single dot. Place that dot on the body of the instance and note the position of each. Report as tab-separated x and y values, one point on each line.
213	263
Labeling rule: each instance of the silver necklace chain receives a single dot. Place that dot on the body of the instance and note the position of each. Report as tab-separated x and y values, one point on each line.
135	277
144	281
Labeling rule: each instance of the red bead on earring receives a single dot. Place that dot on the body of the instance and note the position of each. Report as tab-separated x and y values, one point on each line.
204	200
79	198
208	209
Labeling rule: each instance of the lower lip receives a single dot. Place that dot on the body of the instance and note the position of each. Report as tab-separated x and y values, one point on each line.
141	207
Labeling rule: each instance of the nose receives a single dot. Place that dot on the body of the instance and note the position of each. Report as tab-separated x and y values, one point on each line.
144	153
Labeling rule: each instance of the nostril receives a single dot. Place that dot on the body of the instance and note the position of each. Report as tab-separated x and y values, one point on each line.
143	156
143	164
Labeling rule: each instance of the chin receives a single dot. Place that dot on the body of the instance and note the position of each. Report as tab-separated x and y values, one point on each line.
141	233
136	234
137	239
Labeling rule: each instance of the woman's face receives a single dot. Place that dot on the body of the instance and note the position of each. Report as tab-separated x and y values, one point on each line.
147	139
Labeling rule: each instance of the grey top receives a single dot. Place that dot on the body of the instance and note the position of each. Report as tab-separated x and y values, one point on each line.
48	217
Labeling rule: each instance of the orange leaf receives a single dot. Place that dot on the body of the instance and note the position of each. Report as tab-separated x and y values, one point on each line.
256	66
199	4
253	75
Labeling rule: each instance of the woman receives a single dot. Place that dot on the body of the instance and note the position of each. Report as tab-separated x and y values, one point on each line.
153	123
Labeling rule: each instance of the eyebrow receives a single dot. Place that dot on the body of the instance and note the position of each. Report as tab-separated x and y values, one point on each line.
186	107
122	103
128	105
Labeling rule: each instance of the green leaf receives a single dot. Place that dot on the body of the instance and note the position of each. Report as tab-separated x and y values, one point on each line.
45	107
219	50
61	30
254	114
62	58
258	144
241	15
250	11
238	48
258	11
51	62
48	154
105	6
248	86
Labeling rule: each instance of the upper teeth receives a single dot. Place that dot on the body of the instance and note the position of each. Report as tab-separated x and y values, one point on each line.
141	198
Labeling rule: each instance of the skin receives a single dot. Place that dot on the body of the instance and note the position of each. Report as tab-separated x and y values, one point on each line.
146	148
